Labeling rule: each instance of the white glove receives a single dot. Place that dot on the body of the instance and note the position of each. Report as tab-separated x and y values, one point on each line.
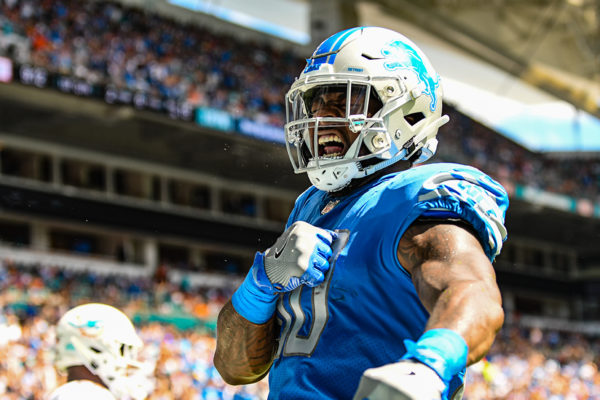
404	380
299	257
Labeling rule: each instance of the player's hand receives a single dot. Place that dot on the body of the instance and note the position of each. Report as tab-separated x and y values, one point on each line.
404	380
299	257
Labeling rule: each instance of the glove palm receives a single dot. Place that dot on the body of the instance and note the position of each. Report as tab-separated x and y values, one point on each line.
404	380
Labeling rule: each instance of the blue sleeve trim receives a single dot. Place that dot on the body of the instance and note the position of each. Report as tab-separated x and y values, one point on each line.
440	214
469	195
456	208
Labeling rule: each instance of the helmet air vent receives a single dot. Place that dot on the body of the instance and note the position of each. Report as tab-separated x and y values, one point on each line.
413	118
370	57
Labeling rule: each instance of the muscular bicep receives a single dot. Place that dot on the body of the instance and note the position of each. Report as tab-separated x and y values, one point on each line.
442	254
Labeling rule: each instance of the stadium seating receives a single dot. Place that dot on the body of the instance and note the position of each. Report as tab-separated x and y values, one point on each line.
154	63
524	363
200	68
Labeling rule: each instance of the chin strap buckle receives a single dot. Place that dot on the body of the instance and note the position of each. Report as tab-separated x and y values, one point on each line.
409	146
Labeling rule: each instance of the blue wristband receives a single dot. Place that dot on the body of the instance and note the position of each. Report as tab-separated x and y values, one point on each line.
443	350
252	300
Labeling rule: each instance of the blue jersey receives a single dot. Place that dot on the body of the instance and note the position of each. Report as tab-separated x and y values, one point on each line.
367	305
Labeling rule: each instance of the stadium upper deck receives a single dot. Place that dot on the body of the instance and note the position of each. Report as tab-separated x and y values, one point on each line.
86	158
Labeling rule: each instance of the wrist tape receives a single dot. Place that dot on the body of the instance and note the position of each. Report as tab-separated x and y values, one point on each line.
252	302
443	350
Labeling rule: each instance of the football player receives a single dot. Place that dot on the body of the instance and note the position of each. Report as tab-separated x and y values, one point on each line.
382	285
97	347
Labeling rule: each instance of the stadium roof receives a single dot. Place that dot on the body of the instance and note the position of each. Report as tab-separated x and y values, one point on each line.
529	70
528	115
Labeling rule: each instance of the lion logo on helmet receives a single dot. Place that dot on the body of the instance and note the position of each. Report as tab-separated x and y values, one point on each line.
403	56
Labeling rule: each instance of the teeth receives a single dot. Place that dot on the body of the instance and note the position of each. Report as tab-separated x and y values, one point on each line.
329	138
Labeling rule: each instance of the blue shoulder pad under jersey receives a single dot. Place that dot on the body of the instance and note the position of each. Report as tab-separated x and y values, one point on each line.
466	193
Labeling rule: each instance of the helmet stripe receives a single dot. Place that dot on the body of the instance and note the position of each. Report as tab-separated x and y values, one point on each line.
338	44
334	42
329	46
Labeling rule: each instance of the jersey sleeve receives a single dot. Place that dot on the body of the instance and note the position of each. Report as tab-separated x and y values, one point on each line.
468	194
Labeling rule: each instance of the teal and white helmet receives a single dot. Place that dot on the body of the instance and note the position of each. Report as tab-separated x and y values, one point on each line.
393	103
104	340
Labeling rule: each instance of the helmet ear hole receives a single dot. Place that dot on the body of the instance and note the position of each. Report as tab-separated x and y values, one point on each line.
414	118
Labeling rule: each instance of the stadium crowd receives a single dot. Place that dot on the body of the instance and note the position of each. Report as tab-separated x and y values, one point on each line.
469	142
105	42
523	364
33	299
533	364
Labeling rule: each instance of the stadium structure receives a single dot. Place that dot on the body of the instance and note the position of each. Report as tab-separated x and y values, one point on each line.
101	177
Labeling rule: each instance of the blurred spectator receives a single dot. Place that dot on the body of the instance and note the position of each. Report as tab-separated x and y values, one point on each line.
127	48
535	364
523	363
103	42
32	299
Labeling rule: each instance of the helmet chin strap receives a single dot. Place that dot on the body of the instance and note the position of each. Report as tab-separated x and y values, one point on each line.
404	153
340	174
356	170
361	181
384	164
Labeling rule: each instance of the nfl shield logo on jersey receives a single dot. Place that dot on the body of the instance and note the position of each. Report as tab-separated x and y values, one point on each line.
329	206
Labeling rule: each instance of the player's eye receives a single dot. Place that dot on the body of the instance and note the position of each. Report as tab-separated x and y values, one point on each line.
316	105
317	98
336	102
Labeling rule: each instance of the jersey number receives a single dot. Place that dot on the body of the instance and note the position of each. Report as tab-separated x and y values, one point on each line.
291	343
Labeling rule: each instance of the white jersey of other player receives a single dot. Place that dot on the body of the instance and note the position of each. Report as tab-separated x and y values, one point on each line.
83	389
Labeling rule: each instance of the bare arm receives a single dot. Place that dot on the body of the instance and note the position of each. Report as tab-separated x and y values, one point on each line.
455	282
244	350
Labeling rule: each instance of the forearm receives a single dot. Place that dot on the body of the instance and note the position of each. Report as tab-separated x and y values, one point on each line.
245	350
247	330
455	282
472	309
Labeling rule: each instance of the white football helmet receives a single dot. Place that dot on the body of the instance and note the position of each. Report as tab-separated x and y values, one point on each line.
393	104
104	340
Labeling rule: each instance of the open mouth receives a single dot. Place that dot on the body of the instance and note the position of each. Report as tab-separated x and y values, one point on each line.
331	146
